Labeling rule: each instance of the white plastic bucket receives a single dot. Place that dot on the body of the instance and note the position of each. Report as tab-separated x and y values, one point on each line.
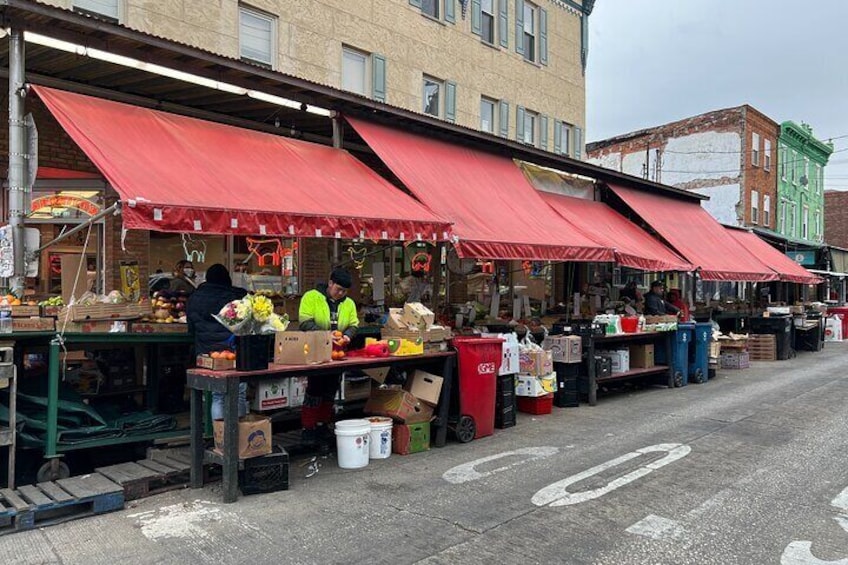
381	437
352	443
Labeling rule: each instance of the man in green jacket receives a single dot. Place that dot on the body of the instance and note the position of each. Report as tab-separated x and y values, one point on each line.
325	308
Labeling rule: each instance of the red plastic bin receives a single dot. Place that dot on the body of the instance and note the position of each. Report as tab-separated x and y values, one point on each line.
536	405
479	360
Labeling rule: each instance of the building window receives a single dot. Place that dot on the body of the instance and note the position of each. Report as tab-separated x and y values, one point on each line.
531	120
755	149
767	155
487	115
783	162
805	219
432	96
355	71
564	136
783	227
766	210
529	35
109	9
431	8
755	207
793	219
818	234
805	176
792	167
257	36
487	21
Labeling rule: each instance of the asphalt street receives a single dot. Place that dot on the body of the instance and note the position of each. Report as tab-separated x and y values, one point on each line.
749	468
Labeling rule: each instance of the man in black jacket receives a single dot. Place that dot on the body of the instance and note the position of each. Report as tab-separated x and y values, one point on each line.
655	304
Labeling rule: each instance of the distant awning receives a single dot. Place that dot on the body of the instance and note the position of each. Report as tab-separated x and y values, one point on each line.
697	236
787	269
633	246
180	174
496	213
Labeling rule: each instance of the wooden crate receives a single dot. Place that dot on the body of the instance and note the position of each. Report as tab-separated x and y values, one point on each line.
762	347
101	311
33	324
26	311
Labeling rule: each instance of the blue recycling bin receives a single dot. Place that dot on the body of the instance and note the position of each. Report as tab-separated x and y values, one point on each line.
680	344
699	352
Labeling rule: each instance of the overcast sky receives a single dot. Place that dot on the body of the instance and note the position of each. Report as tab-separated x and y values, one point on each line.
656	61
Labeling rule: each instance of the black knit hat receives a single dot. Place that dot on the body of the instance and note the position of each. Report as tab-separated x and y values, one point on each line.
341	277
218	274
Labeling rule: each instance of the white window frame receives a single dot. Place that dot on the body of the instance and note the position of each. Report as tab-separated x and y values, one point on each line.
493	14
793	175
818	232
349	54
767	155
794	217
783	227
531	55
805	223
272	47
531	120
766	210
783	156
495	111
806	173
440	110
91	7
755	149
566	132
755	207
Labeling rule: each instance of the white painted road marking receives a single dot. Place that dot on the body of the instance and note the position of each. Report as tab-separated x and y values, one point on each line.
800	552
557	493
657	527
468	472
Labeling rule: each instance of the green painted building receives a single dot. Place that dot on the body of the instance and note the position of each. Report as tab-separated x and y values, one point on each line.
800	183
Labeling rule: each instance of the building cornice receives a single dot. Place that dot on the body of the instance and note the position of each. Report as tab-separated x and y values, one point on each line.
801	138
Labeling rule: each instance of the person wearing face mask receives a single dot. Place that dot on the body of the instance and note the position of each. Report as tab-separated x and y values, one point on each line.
183	277
327	307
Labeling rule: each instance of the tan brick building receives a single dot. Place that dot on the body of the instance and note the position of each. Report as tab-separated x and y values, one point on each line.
728	155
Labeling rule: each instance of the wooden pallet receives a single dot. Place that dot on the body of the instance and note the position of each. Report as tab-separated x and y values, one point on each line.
10	505
162	470
59	501
762	347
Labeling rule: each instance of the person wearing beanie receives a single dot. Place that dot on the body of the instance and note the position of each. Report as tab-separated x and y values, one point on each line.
325	308
655	303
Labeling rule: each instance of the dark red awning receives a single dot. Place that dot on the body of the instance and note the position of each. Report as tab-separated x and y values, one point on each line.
496	213
787	269
180	174
697	236
633	246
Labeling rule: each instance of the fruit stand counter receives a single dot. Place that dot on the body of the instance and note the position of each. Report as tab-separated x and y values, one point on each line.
200	380
151	341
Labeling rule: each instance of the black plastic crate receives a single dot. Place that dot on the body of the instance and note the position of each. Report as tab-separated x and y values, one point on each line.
567	398
253	352
505	416
268	473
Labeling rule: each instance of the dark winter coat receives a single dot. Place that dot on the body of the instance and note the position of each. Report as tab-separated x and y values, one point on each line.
656	306
208	299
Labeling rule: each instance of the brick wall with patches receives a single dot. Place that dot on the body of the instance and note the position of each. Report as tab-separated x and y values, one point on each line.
835	218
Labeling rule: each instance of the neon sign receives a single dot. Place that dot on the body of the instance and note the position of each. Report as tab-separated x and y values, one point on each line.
48	203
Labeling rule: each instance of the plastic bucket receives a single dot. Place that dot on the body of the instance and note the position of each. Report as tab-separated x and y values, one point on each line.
352	443
381	437
630	324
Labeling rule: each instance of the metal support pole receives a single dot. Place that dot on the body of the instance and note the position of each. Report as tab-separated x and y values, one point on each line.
17	156
338	131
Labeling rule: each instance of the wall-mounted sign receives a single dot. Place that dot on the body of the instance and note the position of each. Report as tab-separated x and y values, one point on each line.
46	204
802	257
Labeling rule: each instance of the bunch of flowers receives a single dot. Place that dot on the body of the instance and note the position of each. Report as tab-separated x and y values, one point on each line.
252	315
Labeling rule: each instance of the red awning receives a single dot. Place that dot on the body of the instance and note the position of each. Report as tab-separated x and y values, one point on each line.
496	213
697	236
633	246
181	174
786	268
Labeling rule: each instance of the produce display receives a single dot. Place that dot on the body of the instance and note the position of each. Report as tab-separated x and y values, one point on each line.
338	346
12	300
52	301
228	355
168	307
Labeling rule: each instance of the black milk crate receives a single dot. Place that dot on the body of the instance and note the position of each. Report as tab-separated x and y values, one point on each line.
505	407
268	473
505	416
566	399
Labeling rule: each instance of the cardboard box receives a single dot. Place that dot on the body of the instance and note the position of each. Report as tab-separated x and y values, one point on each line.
94	327
398	404
642	356
206	362
509	353
394	320
564	348
356	388
404	347
158	328
620	360
379	374
410	438
534	385
416	315
425	386
535	362
271	394
297	391
254	436
33	324
303	348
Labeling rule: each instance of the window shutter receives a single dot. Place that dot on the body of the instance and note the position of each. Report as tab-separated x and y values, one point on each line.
543	36
543	132
578	142
450	101
416	3
519	27
557	136
450	11
378	77
504	118
503	22
519	123
476	18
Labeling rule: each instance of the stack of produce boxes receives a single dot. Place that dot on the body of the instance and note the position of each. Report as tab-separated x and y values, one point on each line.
414	325
535	383
567	352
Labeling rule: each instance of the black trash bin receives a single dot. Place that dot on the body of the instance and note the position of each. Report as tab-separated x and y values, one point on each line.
778	326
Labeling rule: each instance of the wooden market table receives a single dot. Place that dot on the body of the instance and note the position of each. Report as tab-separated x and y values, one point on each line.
205	380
